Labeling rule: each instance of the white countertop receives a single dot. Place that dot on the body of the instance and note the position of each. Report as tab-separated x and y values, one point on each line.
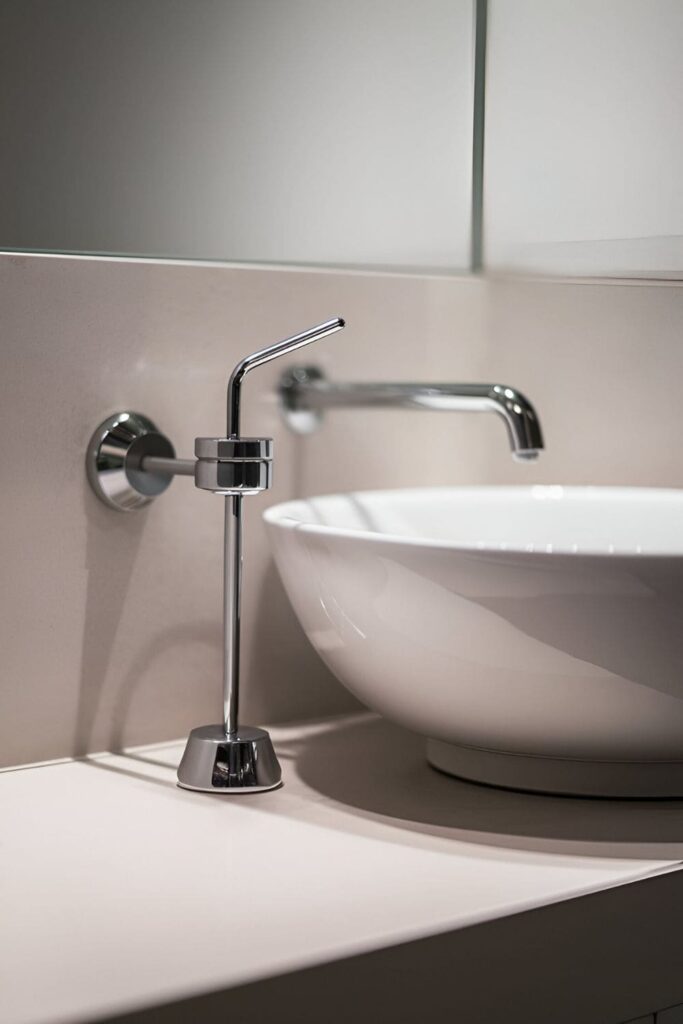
118	890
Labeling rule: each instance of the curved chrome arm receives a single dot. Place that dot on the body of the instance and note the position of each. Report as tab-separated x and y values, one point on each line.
521	420
264	355
306	390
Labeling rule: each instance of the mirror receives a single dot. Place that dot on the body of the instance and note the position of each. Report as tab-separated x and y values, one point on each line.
584	137
348	134
278	131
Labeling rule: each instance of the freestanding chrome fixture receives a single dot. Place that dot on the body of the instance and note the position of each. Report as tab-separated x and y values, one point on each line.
129	462
305	394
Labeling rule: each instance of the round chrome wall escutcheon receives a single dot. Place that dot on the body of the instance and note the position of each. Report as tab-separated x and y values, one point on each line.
243	762
114	461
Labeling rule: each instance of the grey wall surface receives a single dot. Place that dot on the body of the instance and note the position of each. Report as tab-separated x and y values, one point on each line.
110	624
305	131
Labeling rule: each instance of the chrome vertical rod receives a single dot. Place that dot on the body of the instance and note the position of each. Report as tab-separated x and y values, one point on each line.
232	611
232	568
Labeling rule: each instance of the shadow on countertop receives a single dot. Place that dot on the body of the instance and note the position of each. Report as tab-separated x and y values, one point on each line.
377	770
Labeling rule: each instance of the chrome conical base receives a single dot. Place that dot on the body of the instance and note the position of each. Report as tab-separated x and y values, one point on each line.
242	763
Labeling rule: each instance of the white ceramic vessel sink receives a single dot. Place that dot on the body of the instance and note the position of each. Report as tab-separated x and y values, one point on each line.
534	635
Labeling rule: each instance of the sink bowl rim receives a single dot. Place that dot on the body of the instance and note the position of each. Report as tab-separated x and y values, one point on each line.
281	516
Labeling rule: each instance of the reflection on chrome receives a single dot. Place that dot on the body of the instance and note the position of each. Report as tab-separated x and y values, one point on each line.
305	394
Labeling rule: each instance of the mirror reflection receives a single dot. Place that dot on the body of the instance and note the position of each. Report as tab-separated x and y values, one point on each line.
449	135
301	131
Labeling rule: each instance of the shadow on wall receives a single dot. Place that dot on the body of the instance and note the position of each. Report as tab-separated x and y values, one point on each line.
294	689
112	546
380	772
158	648
302	682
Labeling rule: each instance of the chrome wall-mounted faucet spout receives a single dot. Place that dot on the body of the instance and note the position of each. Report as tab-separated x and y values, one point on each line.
129	462
305	394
